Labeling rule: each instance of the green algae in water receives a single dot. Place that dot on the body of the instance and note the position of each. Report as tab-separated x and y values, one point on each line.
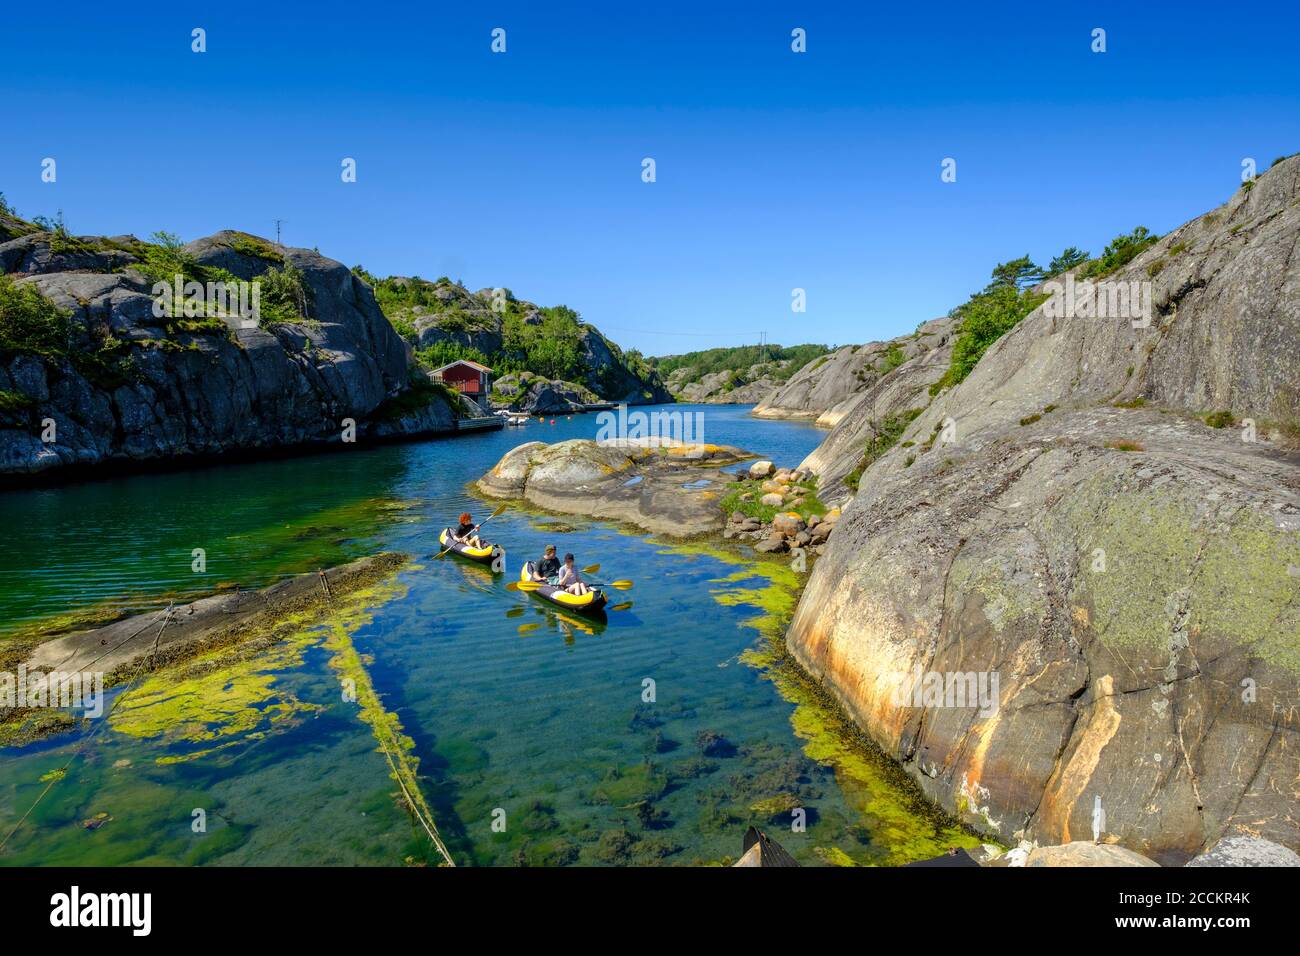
900	824
213	704
531	725
229	701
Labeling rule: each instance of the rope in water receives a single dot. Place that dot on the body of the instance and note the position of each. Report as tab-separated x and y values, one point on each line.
411	804
63	771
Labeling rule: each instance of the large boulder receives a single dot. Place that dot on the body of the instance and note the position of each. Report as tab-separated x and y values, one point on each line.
1083	853
1246	851
1125	580
666	488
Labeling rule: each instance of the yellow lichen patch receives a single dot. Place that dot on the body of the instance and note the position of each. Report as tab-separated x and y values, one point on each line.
834	856
232	694
1163	558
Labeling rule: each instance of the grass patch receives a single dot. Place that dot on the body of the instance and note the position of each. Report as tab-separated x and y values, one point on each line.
1029	420
1138	402
1220	419
887	432
735	500
893	358
29	322
249	245
1124	444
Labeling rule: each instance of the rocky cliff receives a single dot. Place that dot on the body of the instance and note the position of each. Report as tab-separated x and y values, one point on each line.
743	387
1100	526
828	386
90	375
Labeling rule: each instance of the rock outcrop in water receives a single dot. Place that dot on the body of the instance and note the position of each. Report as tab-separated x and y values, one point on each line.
1067	522
120	384
664	488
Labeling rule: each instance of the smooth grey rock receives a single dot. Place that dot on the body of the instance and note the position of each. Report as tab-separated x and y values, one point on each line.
1123	571
1246	851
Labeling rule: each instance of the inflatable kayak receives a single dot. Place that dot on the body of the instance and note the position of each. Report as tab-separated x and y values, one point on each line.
481	555
592	602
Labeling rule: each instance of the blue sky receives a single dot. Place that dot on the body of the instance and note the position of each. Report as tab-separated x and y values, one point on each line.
775	170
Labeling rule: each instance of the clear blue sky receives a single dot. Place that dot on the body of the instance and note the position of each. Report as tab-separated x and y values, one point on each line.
775	170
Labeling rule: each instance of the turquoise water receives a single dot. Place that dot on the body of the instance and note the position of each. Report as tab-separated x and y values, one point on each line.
515	712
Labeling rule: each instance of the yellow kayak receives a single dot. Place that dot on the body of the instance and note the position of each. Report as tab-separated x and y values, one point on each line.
481	555
593	602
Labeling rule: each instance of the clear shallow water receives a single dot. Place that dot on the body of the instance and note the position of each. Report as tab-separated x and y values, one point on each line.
511	707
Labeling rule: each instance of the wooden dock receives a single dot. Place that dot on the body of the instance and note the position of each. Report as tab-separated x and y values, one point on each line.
480	423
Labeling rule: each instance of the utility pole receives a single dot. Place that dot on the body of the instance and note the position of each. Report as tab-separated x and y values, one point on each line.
278	224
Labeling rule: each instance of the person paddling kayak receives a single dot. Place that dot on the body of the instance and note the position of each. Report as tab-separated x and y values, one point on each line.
548	567
570	580
465	532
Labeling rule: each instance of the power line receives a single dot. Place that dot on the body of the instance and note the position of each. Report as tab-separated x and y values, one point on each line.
616	328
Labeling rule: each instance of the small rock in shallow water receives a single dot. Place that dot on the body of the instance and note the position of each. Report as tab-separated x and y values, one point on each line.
713	744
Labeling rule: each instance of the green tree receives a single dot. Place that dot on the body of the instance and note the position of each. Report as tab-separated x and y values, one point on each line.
1016	274
1066	261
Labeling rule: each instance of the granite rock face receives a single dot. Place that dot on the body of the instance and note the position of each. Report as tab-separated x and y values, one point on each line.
1064	532
866	413
745	387
133	387
827	387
